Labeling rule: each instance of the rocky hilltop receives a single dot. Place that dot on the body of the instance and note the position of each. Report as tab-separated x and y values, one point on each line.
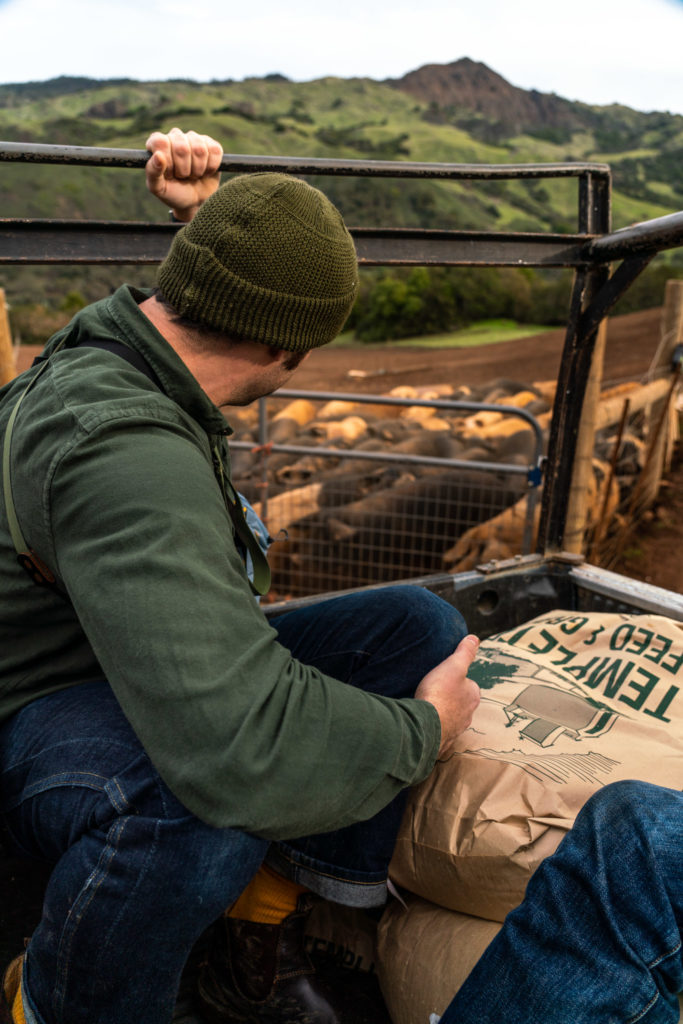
468	85
472	96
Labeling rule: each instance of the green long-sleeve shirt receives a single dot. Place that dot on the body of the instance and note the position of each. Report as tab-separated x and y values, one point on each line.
115	490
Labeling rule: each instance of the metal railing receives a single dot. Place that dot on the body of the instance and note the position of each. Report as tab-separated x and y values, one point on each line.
590	250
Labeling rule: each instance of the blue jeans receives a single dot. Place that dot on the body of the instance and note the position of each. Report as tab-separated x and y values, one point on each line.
136	878
597	939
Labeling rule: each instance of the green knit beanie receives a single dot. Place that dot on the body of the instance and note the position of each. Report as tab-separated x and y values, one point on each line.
266	258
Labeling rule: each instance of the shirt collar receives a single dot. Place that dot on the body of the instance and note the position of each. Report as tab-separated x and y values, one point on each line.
136	330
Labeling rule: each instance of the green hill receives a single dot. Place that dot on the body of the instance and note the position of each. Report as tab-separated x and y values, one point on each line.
461	112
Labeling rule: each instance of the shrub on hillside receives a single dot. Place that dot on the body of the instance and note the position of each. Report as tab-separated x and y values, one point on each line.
404	304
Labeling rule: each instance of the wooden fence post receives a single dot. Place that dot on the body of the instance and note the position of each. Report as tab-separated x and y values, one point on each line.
662	427
8	367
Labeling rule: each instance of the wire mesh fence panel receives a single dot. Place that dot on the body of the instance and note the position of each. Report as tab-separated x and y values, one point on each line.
390	502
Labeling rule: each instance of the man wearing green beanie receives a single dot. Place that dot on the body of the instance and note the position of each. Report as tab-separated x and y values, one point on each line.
189	768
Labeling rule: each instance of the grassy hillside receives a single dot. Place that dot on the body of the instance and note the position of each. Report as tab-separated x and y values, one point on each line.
336	118
340	118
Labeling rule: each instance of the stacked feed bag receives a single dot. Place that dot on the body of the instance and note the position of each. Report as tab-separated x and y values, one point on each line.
571	701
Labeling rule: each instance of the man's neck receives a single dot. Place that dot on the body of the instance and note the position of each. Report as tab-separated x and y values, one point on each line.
235	375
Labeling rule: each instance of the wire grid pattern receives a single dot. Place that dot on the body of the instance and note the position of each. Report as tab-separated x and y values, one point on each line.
398	532
342	519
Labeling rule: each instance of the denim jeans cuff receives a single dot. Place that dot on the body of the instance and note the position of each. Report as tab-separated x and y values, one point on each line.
30	1014
327	881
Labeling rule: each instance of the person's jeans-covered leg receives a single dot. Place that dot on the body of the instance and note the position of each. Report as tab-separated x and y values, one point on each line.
383	641
137	879
597	939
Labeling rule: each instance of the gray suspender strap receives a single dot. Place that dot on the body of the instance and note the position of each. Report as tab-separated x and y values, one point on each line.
36	568
261	582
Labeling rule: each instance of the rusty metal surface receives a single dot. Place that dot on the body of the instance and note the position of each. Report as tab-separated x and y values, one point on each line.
412	246
92	156
650	237
595	198
590	251
601	590
34	241
575	366
602	303
24	241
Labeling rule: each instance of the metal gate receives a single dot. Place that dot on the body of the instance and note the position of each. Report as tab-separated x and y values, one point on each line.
376	507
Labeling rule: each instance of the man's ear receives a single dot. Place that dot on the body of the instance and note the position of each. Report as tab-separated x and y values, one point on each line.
266	354
290	360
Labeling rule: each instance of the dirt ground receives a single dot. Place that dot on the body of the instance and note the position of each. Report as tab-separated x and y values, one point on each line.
656	552
631	341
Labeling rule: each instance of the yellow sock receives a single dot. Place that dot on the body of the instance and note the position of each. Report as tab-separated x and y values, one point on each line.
12	989
268	899
18	1009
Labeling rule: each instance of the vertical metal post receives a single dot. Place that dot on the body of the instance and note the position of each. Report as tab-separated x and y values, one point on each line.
577	356
586	189
594	203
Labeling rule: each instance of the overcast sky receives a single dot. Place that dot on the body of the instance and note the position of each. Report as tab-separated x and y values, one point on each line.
598	51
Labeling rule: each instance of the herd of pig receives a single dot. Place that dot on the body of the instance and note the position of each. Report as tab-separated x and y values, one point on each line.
343	521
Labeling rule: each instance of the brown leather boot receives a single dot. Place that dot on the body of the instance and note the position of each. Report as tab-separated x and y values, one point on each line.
260	973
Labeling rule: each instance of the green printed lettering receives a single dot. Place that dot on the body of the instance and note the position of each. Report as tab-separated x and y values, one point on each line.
674	664
579	671
656	654
514	638
578	622
564	656
626	628
613	677
550	643
594	635
663	705
594	679
639	646
644	691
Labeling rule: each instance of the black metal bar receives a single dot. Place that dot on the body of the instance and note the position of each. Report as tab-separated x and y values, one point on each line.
404	246
24	241
96	242
611	292
649	237
602	193
575	368
555	489
40	153
593	296
585	201
594	202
